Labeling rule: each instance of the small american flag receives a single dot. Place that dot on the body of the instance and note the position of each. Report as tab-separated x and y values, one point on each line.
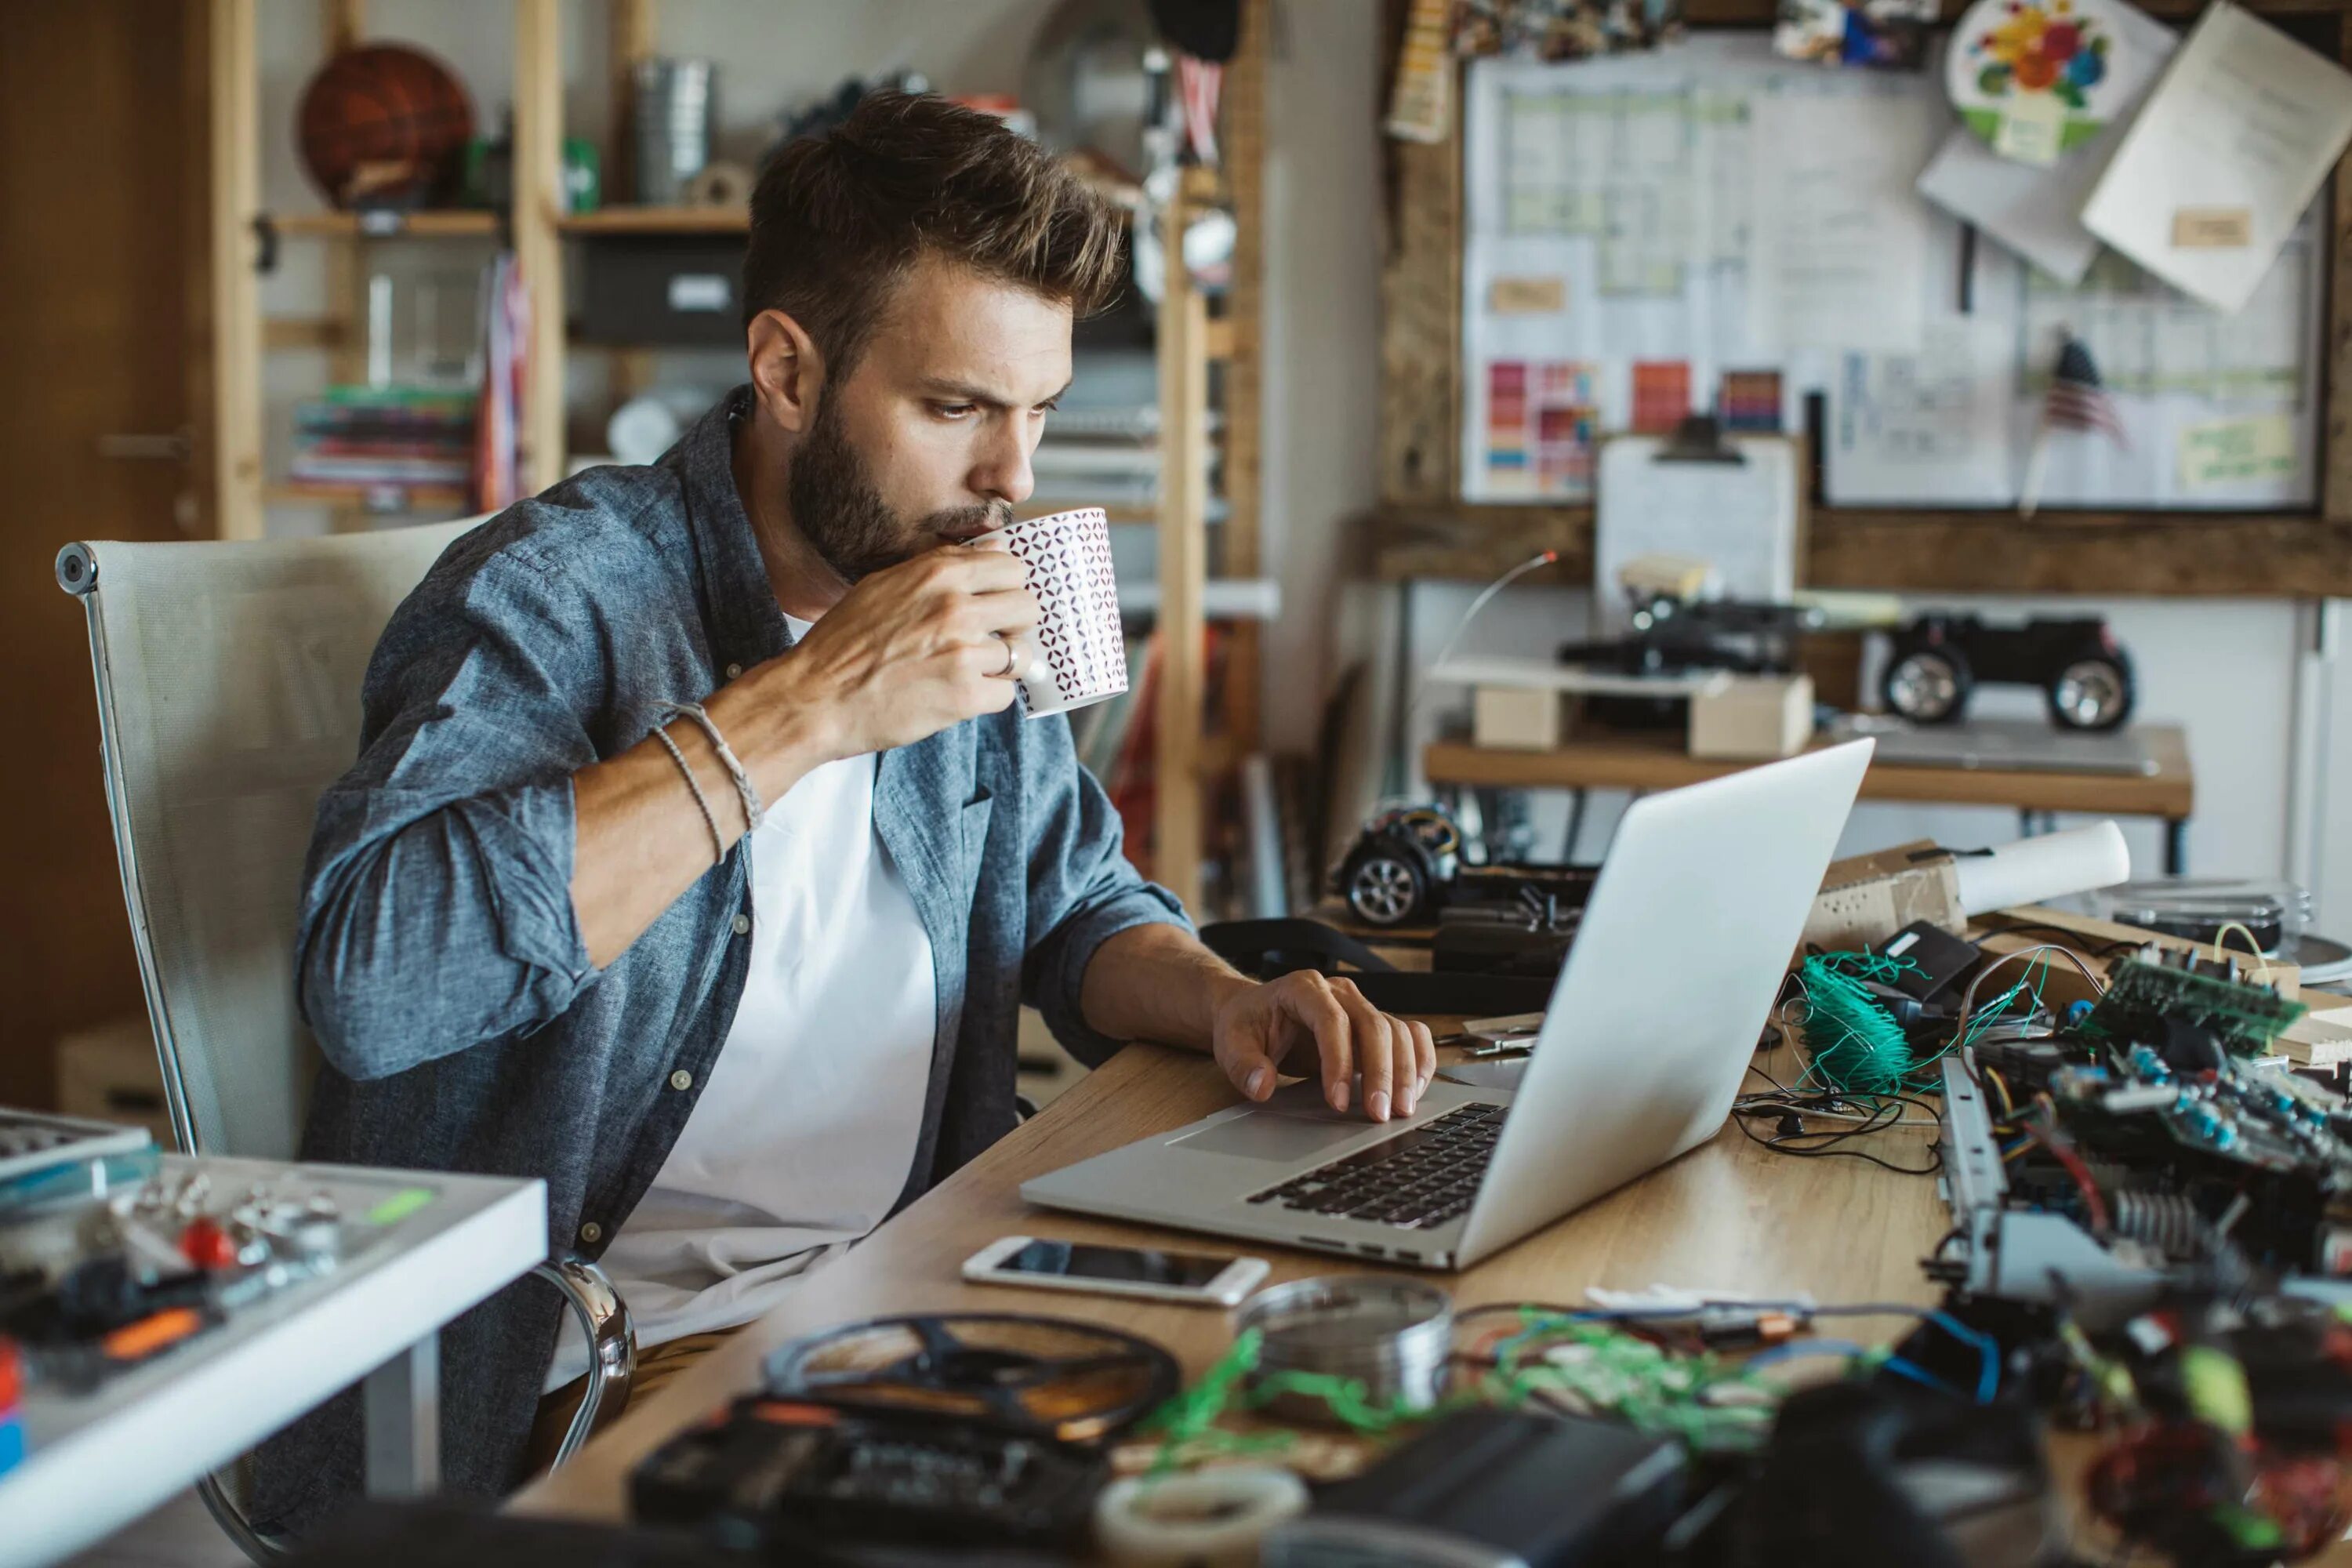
2076	400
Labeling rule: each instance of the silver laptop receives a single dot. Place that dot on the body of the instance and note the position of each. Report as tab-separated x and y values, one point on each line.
1679	955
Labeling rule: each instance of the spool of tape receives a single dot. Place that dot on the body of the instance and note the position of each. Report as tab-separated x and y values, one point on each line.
720	186
1208	1518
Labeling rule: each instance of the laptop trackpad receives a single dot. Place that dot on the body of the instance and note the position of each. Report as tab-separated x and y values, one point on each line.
1269	1135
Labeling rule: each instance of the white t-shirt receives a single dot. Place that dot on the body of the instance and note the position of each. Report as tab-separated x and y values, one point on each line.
805	1135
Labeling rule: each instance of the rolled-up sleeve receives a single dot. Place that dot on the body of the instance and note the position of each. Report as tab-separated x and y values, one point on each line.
1082	888
436	906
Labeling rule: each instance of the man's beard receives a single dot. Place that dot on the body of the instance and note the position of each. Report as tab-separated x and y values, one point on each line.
842	516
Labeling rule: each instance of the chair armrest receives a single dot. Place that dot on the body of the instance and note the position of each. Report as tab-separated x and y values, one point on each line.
612	1345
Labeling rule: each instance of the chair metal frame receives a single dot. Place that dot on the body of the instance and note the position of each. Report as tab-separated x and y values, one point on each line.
602	1316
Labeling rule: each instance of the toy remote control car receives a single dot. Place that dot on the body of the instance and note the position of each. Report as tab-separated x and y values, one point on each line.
1408	864
1938	660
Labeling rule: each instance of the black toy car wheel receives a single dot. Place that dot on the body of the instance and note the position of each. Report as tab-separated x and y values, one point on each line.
2094	693
1927	685
1384	887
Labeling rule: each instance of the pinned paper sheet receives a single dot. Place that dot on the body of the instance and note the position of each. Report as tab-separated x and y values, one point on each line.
2232	451
1836	243
2036	211
1930	427
2246	122
1526	296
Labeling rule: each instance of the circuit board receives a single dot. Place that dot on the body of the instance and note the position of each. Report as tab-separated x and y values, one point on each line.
2147	1146
2162	984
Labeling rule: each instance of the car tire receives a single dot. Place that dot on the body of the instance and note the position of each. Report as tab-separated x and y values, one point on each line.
1928	683
1385	887
2095	693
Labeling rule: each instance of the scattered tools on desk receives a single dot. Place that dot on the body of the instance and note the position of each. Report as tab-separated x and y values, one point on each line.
973	1428
90	1287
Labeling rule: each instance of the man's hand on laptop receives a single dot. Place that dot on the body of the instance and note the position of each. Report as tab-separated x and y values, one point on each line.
1325	1023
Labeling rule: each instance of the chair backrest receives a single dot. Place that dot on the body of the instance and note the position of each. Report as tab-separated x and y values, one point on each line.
228	698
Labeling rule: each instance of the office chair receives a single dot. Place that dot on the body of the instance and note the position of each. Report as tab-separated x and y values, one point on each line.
228	699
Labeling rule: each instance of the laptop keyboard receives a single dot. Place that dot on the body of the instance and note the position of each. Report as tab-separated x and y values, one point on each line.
1423	1177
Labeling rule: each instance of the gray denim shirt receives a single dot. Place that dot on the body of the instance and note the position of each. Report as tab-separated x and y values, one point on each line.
440	958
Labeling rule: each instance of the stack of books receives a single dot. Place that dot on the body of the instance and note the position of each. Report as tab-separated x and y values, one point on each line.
397	447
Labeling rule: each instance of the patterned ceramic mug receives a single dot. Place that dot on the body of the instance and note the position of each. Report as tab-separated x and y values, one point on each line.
1080	653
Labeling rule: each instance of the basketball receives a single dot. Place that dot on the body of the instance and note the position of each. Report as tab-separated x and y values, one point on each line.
383	126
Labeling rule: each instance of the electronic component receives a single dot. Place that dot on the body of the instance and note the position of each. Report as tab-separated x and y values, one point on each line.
955	1428
1931	960
1495	1487
1529	935
1871	1473
2139	1177
2161	992
1047	1378
769	1469
92	1286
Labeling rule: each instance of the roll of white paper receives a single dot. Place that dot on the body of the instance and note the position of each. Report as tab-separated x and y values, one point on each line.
2034	870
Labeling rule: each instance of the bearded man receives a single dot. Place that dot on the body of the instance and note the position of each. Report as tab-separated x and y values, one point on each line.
693	861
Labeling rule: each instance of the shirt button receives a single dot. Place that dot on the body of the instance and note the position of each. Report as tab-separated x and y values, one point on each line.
591	1233
742	926
734	670
681	1080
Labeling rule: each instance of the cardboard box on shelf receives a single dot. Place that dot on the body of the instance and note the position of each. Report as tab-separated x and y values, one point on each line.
1515	718
1752	718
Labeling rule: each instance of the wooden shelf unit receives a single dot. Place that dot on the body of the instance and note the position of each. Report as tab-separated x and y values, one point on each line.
1191	761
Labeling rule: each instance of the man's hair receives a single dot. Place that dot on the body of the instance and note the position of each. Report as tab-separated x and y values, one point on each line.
839	220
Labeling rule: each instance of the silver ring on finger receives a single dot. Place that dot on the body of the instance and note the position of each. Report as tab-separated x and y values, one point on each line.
1011	670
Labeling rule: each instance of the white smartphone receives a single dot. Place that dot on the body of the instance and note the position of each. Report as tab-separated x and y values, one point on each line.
1199	1279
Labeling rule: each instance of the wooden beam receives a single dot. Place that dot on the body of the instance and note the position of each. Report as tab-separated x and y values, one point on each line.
346	25
2173	554
1421	307
234	157
1177	840
1244	144
539	247
2335	380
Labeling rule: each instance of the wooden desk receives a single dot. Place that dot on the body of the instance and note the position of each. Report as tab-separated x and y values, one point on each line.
1727	1215
1640	761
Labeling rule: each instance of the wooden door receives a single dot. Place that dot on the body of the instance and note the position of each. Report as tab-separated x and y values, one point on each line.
102	384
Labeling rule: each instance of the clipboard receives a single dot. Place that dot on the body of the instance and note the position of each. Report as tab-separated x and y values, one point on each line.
1735	502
